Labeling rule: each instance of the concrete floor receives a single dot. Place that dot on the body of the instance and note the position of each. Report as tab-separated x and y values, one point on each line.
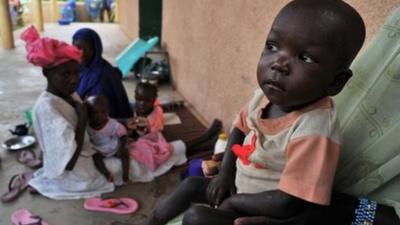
20	85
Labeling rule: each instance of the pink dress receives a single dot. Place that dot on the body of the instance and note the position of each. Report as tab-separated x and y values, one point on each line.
152	149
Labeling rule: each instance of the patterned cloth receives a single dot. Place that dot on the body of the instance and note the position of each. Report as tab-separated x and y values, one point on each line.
107	140
296	153
369	112
45	52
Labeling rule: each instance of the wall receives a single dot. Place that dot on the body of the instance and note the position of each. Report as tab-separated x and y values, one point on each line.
128	16
215	45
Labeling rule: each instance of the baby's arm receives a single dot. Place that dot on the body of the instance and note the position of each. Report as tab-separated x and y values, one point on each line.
224	183
80	130
275	204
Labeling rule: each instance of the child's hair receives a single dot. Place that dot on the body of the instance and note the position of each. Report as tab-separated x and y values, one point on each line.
347	28
149	89
93	101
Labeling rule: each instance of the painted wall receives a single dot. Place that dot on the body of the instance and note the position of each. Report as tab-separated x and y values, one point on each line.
215	46
128	16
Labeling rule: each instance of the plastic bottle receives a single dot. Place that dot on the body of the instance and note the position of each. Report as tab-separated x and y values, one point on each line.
220	145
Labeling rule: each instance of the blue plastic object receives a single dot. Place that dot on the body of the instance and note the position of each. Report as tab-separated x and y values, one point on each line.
127	58
68	13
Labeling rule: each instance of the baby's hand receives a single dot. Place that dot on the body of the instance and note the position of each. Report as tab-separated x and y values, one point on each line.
131	124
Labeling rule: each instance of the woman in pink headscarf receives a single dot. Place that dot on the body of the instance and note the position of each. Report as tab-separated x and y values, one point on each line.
59	120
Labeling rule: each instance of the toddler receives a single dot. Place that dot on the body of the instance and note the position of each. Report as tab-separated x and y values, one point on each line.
108	136
151	148
284	148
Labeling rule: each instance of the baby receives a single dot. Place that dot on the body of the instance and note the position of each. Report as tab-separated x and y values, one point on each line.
108	136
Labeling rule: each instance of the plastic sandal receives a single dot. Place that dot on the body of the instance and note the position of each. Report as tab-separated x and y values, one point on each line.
24	217
16	186
113	205
29	158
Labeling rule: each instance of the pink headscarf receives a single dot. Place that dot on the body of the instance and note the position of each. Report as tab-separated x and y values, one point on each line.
47	52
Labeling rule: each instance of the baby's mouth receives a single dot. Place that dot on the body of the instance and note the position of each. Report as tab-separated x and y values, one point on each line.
274	85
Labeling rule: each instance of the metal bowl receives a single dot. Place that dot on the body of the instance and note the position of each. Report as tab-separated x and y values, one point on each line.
20	142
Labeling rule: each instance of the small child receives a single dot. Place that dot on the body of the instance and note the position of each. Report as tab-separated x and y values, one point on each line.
148	113
283	151
151	148
108	136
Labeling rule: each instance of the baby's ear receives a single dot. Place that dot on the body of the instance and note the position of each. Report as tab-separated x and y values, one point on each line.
338	83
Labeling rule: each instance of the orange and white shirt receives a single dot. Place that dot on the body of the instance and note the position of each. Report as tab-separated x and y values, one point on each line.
297	153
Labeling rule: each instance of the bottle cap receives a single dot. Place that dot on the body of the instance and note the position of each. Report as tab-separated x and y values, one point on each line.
222	136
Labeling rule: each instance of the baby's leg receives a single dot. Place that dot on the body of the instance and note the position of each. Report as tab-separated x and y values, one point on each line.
123	154
100	166
204	215
191	190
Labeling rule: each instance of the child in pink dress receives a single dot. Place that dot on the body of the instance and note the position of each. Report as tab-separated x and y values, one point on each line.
151	148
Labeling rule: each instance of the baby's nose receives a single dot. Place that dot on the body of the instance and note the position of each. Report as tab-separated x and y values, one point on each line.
281	64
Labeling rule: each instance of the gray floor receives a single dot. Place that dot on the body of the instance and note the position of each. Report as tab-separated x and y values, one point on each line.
20	85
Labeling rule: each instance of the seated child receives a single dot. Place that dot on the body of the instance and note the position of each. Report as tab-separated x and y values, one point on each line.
148	113
108	136
151	148
285	143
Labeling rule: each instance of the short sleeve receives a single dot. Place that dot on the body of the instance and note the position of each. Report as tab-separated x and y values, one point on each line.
240	122
121	130
156	119
310	169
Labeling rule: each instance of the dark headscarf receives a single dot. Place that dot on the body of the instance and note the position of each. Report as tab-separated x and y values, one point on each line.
99	77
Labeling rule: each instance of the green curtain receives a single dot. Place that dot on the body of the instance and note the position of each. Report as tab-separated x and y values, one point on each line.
369	112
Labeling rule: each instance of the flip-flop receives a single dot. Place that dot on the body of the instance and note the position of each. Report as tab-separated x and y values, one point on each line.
16	186
24	217
113	205
29	158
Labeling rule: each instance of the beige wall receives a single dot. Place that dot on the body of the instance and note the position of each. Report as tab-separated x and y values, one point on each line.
128	16
215	45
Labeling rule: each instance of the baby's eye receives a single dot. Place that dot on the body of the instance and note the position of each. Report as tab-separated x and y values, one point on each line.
305	58
271	47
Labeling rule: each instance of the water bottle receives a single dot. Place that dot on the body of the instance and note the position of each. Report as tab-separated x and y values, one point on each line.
220	145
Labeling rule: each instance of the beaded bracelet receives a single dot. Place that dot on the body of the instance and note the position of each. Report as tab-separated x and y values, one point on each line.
365	212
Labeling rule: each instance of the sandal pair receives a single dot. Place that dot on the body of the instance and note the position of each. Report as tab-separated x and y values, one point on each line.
16	186
24	217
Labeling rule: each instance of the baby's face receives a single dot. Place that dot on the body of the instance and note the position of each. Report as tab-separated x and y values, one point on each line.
298	62
98	116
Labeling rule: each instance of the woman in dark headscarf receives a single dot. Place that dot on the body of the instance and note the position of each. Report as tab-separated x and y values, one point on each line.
99	77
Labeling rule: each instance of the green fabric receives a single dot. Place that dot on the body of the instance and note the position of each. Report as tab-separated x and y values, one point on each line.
369	111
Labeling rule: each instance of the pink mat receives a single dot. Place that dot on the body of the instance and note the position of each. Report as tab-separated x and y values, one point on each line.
23	216
113	205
